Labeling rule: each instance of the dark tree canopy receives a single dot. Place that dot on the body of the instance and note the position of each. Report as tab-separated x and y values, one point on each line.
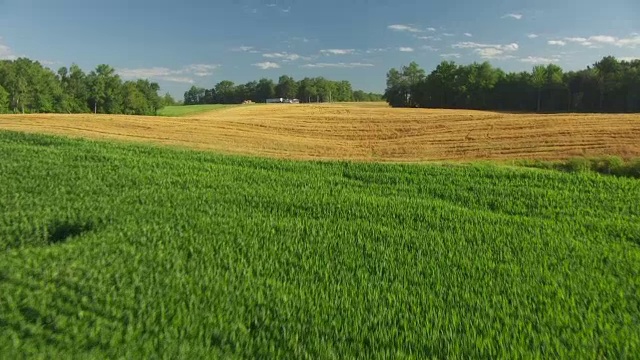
306	90
609	86
28	87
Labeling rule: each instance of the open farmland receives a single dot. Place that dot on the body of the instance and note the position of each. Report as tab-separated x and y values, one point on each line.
180	110
369	132
130	251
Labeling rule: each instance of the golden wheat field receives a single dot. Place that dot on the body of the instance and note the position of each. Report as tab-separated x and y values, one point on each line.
368	132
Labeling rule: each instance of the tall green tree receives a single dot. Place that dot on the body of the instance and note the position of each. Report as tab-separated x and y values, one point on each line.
105	90
397	91
265	89
33	88
607	70
226	92
287	87
134	100
4	100
16	81
554	85
76	86
195	95
307	90
149	91
610	85
539	78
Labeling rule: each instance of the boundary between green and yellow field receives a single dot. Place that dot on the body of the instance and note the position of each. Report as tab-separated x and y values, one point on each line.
187	110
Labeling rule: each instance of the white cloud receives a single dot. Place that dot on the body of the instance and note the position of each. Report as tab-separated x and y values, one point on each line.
604	39
179	79
489	51
371	51
447	34
163	73
433	38
468	34
267	65
283	55
181	75
630	42
337	65
5	52
154	72
492	53
474	45
200	69
538	60
513	16
431	29
579	40
243	49
406	49
556	42
597	40
511	47
337	51
407	28
532	36
451	55
159	73
430	48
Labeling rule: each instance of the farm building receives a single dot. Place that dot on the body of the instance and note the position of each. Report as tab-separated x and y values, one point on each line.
283	101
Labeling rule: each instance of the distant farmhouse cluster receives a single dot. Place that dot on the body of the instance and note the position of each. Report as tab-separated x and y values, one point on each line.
283	101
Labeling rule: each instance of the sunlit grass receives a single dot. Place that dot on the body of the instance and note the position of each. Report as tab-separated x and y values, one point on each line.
185	110
128	251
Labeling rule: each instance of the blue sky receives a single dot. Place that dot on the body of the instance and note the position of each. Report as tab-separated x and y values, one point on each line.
180	43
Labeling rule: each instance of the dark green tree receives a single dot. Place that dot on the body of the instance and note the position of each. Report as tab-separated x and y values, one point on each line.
4	100
287	87
194	96
265	89
226	92
105	90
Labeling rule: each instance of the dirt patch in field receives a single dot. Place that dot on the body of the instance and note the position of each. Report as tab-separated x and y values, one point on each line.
361	132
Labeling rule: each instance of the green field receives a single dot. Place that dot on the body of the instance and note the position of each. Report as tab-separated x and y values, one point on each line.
186	110
126	251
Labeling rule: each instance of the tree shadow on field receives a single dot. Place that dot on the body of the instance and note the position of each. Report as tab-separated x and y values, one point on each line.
62	231
51	233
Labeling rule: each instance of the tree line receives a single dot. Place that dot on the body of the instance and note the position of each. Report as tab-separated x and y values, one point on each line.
306	90
609	85
28	87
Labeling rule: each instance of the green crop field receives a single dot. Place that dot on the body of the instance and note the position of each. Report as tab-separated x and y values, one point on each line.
112	250
186	110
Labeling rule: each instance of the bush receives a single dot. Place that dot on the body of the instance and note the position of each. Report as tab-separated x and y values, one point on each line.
633	169
610	165
578	165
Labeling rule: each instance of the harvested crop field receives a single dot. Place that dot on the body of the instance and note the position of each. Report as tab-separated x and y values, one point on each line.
368	132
